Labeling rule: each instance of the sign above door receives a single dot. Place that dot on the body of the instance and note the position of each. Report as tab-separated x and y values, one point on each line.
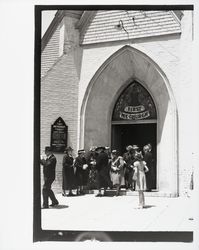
134	103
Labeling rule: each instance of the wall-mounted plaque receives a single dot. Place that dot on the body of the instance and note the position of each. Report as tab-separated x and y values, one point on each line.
134	103
59	134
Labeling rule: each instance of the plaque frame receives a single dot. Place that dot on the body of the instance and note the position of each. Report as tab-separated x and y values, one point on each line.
59	136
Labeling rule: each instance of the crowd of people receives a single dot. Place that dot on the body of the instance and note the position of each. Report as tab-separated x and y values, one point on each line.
101	169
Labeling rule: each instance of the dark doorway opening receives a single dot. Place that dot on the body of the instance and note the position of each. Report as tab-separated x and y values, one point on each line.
139	134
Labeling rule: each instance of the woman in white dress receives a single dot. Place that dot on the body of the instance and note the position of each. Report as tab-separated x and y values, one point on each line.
117	170
140	168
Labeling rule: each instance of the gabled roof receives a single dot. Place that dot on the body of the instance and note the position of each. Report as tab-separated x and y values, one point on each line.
85	17
116	25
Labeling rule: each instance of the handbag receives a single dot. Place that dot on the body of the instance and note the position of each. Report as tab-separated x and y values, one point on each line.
135	177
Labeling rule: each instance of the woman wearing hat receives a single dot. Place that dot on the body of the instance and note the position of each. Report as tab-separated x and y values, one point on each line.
91	160
140	168
117	170
128	171
81	171
68	174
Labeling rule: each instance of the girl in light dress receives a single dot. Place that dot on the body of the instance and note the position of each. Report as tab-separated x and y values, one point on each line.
140	168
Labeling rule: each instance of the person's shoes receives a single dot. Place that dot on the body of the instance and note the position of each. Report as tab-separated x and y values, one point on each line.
45	207
54	204
63	194
98	195
70	194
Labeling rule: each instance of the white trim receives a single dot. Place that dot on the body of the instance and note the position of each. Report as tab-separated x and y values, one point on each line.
134	122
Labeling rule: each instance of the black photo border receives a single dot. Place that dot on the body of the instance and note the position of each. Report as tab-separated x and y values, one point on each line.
64	235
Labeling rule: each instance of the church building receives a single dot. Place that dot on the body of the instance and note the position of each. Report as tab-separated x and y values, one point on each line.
120	77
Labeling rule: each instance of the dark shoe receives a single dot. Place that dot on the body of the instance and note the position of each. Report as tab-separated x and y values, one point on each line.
63	194
54	204
105	194
44	207
98	195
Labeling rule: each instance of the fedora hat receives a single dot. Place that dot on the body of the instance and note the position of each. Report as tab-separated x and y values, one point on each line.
129	147
100	147
114	152
135	147
81	151
48	149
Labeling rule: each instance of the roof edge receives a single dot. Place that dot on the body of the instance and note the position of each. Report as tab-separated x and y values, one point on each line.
60	14
53	25
86	16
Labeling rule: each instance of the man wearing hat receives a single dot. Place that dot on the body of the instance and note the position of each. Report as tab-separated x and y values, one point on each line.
103	177
49	165
148	157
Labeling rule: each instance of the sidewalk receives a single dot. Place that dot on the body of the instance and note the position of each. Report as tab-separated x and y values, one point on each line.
120	213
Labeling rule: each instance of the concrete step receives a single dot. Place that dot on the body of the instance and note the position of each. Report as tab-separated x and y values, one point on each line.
112	192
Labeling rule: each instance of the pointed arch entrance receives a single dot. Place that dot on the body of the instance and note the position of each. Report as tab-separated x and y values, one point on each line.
124	67
134	121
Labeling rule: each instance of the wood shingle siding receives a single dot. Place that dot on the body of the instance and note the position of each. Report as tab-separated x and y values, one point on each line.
51	53
103	26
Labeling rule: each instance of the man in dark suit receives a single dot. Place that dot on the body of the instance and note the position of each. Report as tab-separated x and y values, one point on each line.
49	164
103	177
150	175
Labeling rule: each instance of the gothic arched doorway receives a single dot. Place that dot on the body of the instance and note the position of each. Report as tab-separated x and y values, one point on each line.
100	98
134	121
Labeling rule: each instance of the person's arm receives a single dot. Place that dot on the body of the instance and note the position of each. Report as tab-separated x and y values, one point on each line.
48	161
135	165
145	166
121	161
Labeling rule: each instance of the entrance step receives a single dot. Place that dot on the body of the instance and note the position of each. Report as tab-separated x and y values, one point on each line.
112	192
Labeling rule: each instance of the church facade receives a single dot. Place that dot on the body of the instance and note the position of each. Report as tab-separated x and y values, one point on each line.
117	77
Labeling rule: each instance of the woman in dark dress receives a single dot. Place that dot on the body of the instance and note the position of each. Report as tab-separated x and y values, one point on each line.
81	171
128	170
91	161
68	172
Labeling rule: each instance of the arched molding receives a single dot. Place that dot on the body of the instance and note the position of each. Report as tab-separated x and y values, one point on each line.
115	74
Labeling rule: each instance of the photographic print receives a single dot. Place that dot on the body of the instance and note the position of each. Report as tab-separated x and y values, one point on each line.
113	159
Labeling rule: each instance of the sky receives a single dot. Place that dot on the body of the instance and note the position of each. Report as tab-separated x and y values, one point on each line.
47	17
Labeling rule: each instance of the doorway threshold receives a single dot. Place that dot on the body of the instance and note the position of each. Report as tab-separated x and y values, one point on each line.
128	192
